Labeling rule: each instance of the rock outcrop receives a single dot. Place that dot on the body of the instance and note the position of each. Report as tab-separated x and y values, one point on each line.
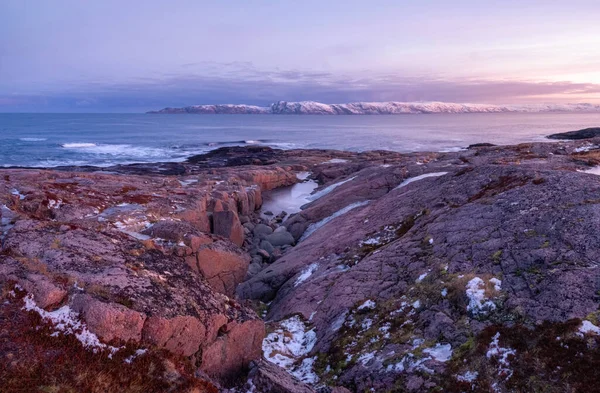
586	133
462	271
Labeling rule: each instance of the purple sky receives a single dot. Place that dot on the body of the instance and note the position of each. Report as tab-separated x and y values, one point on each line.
121	56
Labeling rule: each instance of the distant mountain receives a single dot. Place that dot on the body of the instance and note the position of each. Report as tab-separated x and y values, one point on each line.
373	108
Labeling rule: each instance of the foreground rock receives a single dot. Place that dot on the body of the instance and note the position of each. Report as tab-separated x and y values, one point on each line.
464	271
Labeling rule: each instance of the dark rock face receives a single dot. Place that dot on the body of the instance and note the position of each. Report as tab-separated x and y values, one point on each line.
586	133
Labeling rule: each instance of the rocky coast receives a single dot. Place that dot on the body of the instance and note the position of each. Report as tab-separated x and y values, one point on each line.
469	271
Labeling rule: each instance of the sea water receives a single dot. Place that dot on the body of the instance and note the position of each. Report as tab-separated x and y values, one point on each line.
48	140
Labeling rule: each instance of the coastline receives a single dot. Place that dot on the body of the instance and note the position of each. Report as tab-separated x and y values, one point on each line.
426	251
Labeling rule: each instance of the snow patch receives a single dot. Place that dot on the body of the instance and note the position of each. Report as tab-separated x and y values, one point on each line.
328	189
502	355
313	227
420	177
421	277
137	353
369	305
336	161
291	341
478	303
588	327
306	273
468	376
67	321
14	191
441	352
55	204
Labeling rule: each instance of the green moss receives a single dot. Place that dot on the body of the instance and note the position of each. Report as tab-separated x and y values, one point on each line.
496	257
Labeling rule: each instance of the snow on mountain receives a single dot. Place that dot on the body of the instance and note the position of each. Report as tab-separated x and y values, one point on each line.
375	108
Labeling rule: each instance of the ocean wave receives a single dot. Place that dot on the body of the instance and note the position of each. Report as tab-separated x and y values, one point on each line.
78	145
30	139
120	150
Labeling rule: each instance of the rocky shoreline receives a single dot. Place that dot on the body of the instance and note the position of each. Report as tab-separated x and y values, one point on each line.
463	271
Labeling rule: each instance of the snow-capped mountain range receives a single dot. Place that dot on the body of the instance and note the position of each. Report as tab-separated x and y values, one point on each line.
374	108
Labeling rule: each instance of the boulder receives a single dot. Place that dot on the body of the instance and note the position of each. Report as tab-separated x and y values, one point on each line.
234	349
109	321
262	230
223	265
268	247
279	239
45	293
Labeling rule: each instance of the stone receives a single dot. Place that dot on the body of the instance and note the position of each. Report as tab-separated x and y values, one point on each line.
280	229
268	247
45	293
223	265
280	239
254	268
110	321
261	230
264	254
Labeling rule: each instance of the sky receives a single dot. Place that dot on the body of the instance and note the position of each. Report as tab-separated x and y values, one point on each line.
135	56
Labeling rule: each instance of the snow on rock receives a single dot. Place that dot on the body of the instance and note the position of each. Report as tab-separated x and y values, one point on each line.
55	204
137	353
478	303
305	372
441	352
421	277
586	148
306	273
336	161
366	358
373	241
14	191
588	327
497	283
313	227
502	355
367	305
328	189
66	321
287	344
420	177
468	376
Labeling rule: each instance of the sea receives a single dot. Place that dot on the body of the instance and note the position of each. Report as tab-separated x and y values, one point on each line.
50	140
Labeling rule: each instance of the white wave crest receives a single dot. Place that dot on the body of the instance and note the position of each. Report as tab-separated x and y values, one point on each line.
78	145
31	139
